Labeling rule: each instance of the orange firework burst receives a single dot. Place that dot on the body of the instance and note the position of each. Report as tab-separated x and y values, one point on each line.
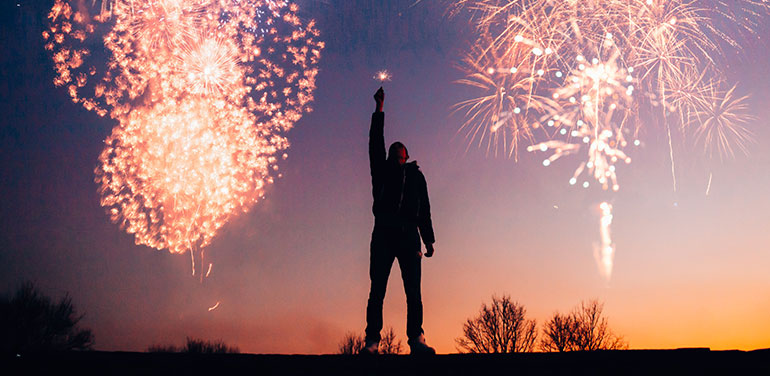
173	180
212	67
202	91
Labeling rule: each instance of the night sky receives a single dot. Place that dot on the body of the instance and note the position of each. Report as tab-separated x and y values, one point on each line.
292	274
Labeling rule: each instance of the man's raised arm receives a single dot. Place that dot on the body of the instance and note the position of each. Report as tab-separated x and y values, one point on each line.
377	138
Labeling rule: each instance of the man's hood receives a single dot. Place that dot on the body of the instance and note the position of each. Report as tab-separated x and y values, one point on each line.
412	166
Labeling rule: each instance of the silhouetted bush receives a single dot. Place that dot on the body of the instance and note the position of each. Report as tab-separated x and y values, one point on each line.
353	343
499	328
196	346
31	322
582	330
389	344
163	349
199	346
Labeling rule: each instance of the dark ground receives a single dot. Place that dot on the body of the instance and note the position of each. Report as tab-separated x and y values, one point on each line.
629	362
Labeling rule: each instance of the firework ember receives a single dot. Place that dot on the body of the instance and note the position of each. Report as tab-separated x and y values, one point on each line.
202	90
578	77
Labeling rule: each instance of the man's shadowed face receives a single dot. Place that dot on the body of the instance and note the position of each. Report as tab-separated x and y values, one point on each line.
398	153
401	156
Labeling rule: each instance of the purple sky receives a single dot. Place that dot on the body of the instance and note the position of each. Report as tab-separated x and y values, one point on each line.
292	275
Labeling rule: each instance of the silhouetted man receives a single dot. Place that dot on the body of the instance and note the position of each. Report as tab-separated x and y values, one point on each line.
401	216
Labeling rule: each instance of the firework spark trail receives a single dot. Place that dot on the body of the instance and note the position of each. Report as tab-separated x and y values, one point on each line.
202	91
604	253
708	186
671	155
552	73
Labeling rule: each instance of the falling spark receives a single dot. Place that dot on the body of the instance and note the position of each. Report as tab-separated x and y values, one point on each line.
671	155
202	92
604	253
708	187
215	306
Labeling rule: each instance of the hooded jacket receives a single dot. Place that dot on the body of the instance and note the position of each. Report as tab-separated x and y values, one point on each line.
400	192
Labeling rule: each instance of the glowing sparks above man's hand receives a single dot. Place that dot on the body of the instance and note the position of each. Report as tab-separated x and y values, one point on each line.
382	76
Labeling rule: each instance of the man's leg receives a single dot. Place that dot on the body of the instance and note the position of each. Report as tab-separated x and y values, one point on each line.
380	262
409	261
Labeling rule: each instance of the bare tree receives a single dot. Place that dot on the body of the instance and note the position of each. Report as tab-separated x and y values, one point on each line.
558	333
389	344
585	329
593	332
351	344
499	328
32	322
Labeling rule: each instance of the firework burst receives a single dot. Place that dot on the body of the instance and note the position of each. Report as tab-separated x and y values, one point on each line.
501	116
593	75
202	91
593	109
720	124
526	48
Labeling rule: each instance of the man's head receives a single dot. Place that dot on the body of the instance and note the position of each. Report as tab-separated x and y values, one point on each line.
397	152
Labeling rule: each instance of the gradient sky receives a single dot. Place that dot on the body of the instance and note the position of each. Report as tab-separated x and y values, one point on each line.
292	274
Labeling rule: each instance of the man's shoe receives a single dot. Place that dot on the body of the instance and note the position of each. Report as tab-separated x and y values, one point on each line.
419	347
370	348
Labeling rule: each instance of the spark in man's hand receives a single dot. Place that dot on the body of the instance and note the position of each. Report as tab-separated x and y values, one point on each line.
383	76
